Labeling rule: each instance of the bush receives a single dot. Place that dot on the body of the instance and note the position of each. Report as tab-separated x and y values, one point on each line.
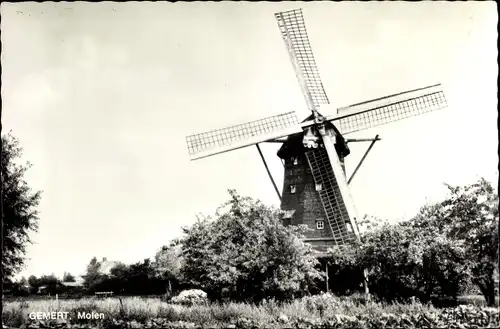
444	269
402	263
14	317
393	257
247	253
345	274
190	297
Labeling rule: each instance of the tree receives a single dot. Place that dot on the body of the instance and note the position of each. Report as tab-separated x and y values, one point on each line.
345	274
167	266
19	288
23	281
67	277
50	283
402	261
137	279
20	202
435	253
33	283
142	278
469	216
393	256
247	254
93	277
444	268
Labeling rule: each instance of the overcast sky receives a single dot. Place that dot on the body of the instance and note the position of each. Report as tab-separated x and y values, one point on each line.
102	95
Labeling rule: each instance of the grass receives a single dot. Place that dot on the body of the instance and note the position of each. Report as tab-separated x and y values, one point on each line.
475	300
269	314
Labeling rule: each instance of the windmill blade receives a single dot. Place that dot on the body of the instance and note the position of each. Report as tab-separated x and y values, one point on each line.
330	195
391	108
293	30
230	138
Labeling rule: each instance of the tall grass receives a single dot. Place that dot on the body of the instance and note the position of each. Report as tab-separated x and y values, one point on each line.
268	314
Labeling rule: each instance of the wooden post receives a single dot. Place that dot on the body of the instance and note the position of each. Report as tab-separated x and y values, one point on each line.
365	283
268	172
342	164
362	159
350	140
327	277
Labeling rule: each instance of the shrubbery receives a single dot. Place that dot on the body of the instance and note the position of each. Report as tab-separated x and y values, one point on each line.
248	254
400	265
190	297
437	254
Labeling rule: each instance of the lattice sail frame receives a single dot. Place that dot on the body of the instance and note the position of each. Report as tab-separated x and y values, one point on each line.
367	115
293	31
361	116
226	136
390	108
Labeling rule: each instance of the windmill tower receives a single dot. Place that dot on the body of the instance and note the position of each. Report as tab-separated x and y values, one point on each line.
315	189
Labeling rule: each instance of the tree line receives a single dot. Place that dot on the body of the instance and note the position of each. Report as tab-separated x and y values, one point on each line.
244	253
447	249
50	284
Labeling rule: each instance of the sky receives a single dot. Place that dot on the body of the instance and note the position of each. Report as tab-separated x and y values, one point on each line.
102	96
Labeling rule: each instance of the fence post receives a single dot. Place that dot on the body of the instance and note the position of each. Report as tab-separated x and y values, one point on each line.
327	277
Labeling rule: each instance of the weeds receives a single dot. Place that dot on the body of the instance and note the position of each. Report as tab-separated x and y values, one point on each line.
311	312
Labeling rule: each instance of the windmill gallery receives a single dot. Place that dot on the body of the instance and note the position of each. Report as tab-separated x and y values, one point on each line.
315	188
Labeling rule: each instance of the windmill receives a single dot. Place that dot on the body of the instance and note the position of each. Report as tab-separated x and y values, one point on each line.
315	187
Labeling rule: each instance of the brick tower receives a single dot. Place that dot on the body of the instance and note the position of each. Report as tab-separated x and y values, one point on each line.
301	199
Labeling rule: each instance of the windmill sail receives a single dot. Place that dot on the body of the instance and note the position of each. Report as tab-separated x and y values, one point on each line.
331	198
390	108
293	30
234	137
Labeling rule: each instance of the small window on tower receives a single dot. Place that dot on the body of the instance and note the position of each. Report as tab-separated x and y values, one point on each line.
292	189
320	224
319	187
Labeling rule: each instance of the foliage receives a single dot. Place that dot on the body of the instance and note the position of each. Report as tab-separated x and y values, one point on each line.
16	288
345	274
433	255
168	261
393	256
469	217
50	284
190	297
93	276
444	268
324	311
167	267
247	254
68	277
20	202
371	223
136	279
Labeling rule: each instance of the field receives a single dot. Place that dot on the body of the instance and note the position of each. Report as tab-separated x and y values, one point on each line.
309	312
